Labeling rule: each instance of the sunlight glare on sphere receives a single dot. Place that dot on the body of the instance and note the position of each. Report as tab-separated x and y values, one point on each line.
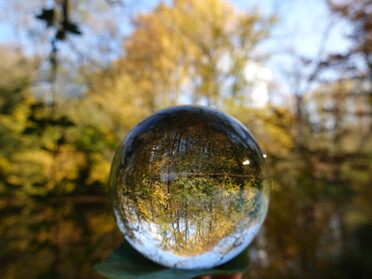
189	187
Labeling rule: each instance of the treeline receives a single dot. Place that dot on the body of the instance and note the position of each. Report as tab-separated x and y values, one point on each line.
53	142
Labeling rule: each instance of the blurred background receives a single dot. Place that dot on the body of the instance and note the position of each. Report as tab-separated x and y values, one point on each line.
77	75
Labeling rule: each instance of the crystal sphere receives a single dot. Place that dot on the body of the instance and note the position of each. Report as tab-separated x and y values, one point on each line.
189	188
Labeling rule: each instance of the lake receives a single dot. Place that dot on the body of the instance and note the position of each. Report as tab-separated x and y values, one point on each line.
63	237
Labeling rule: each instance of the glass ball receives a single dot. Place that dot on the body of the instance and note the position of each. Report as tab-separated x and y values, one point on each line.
189	188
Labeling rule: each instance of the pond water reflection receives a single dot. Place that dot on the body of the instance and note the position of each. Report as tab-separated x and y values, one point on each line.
55	238
65	237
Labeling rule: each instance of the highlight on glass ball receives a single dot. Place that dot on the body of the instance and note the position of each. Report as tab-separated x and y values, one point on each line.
189	187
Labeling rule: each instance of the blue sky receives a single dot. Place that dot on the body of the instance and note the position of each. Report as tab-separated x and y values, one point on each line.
301	23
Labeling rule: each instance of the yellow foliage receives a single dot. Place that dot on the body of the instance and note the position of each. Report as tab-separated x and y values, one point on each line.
177	50
99	170
68	163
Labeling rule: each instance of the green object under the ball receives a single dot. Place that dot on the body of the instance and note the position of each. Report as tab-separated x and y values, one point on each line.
126	263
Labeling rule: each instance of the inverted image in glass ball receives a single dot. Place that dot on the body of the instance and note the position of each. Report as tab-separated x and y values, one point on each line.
188	187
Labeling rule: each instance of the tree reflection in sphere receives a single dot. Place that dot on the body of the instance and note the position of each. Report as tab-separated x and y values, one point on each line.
188	187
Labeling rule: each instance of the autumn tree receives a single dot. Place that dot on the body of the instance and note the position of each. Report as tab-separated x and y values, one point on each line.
193	49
